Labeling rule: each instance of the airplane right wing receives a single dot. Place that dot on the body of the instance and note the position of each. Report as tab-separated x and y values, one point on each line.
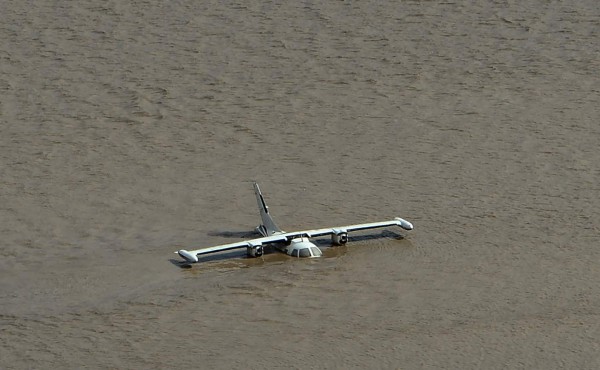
192	256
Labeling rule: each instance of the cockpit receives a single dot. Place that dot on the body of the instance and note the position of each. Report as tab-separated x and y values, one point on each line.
302	247
307	252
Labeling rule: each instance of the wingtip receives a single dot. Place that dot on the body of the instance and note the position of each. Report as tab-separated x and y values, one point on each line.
404	224
191	258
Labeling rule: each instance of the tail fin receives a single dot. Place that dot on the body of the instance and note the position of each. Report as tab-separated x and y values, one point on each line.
268	226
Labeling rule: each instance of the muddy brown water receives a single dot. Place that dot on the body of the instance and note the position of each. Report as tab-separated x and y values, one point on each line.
132	129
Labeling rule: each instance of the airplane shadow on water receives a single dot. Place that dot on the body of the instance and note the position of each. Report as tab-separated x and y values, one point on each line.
239	258
235	234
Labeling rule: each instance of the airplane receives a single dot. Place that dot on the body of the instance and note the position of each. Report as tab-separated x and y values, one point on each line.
295	244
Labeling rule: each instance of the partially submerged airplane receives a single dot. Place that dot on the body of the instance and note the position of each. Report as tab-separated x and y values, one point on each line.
295	244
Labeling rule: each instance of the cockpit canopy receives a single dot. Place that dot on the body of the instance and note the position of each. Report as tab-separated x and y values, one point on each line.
302	247
306	252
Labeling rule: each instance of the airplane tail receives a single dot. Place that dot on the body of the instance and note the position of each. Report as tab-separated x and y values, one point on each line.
268	226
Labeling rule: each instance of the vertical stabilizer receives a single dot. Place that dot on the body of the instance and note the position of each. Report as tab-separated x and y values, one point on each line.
268	226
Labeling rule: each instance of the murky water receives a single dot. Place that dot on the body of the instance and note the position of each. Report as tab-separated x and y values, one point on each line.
132	129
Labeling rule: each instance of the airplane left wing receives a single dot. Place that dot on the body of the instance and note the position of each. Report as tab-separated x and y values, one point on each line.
373	225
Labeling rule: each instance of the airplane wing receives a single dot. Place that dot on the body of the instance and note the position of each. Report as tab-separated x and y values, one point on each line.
345	229
192	256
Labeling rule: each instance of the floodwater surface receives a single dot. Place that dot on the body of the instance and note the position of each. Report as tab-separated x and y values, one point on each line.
131	129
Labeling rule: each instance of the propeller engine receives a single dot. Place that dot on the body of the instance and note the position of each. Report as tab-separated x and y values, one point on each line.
339	237
254	251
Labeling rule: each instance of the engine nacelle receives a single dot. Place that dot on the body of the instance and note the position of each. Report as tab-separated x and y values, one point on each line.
254	251
339	237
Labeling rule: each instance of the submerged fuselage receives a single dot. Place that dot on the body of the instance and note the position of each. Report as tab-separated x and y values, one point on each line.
300	247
